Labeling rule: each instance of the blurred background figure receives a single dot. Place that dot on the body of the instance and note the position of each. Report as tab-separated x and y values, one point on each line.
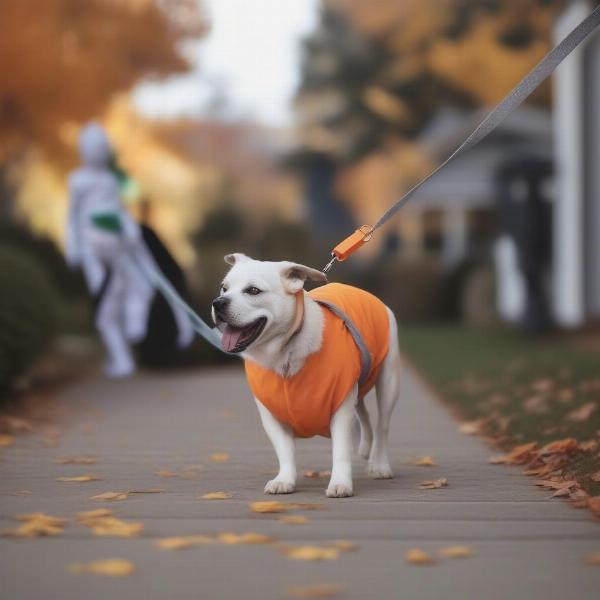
104	241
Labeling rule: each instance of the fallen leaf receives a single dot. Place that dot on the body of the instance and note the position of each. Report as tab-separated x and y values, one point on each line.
317	474
36	525
456	552
244	538
15	424
183	542
166	473
79	478
311	553
110	526
517	456
343	545
425	461
216	496
6	440
593	559
433	484
275	506
583	413
595	477
76	460
111	496
219	457
318	590
565	446
22	493
93	514
471	427
543	385
293	519
147	491
42	517
416	556
111	567
589	446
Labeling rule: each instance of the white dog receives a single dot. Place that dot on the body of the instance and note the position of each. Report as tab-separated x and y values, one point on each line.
310	358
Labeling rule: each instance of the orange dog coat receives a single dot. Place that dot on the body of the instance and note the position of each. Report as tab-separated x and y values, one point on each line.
307	400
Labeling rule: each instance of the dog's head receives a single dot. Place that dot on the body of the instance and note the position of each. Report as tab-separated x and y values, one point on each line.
257	300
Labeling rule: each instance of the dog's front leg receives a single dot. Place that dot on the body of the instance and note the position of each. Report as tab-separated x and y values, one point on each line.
284	443
340	484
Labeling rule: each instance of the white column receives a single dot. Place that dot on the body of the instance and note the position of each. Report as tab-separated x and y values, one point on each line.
568	267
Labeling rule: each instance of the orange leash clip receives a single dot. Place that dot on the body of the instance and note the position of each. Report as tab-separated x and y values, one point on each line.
350	245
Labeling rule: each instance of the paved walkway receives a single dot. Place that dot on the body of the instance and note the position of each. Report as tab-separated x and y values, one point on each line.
526	546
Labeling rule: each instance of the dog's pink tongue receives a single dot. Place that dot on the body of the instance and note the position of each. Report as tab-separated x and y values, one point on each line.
230	338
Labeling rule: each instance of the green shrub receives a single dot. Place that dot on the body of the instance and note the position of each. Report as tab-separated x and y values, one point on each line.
28	313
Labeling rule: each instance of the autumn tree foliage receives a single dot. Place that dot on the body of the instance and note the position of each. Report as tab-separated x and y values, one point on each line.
62	60
380	69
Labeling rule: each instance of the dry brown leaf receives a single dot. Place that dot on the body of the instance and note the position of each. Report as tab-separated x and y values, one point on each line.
293	519
593	559
595	477
216	496
233	539
183	542
111	567
147	491
76	460
456	552
318	590
79	478
111	496
434	484
311	552
22	493
425	461
219	457
416	556
317	474
6	440
566	446
583	413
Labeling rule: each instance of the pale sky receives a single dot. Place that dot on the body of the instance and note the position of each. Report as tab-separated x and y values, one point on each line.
252	53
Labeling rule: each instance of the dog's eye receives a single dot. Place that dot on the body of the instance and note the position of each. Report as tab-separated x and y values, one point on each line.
252	290
223	288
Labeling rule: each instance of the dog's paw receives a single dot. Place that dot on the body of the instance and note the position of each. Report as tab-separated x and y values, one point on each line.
277	486
380	472
339	490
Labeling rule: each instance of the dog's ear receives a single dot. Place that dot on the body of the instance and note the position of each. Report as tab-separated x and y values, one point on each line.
294	276
236	257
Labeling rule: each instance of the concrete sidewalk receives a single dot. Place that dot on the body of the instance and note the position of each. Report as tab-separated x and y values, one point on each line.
525	545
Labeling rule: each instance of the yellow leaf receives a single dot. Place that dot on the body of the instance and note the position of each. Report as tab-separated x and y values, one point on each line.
37	525
6	440
111	567
425	461
76	460
79	478
416	556
94	514
343	545
112	527
274	506
183	542
42	517
216	496
311	553
111	496
293	519
433	484
166	473
244	538
219	457
319	590
456	552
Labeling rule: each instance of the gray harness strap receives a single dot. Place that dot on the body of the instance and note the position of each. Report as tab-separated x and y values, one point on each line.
365	355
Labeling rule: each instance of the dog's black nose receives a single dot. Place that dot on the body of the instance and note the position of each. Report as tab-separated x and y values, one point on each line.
220	304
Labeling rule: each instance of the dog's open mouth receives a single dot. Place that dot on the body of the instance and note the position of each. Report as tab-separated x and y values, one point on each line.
237	339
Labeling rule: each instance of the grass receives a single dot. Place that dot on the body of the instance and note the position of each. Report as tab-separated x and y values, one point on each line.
527	389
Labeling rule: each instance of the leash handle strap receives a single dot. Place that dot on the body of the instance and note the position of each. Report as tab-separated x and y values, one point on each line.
513	100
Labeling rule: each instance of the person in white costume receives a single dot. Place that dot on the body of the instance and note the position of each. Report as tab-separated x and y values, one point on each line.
106	243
